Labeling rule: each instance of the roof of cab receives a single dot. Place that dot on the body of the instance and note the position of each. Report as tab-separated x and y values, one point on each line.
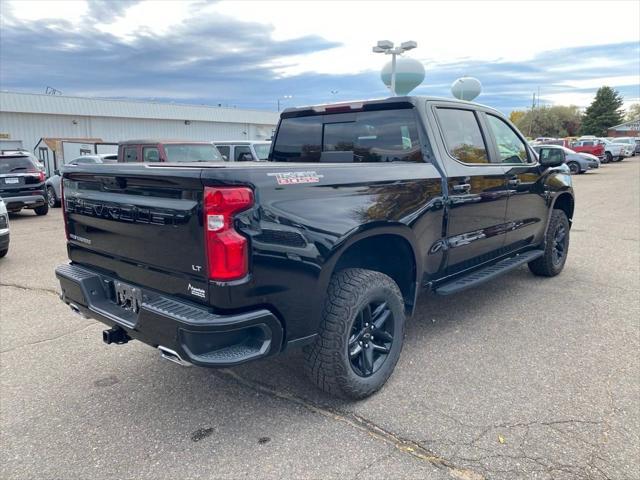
412	99
152	141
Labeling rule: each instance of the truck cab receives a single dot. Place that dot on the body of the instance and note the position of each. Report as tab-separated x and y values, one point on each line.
157	151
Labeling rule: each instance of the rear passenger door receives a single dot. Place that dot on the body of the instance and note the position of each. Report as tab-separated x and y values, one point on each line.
477	186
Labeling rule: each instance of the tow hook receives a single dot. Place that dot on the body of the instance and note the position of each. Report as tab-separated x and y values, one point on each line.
115	335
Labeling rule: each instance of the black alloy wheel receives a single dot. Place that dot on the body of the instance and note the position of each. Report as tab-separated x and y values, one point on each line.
371	338
559	248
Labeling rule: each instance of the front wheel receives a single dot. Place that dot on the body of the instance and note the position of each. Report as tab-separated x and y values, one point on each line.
3	253
609	157
361	334
574	167
556	247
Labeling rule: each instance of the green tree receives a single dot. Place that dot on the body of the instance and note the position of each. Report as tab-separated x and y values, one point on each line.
556	121
603	113
516	115
633	113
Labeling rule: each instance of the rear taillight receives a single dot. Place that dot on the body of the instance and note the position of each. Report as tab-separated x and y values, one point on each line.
227	250
64	209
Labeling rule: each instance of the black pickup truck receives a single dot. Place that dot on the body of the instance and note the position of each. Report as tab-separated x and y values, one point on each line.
361	207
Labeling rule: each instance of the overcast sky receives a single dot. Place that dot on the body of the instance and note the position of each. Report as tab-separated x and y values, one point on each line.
249	54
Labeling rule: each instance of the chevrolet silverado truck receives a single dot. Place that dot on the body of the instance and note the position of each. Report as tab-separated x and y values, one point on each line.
360	208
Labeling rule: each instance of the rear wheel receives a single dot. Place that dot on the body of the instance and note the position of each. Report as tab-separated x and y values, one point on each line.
4	252
556	247
42	210
361	334
574	167
52	200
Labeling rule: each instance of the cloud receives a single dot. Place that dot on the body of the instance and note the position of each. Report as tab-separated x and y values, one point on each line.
199	52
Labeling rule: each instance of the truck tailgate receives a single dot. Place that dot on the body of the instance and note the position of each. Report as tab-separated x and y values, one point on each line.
137	221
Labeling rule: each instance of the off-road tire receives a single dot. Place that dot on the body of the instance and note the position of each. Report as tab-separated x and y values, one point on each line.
327	360
42	210
545	266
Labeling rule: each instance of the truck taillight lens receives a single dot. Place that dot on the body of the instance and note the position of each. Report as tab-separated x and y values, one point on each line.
64	209
227	250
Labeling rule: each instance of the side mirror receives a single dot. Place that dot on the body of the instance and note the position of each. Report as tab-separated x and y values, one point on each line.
225	158
552	157
245	157
56	172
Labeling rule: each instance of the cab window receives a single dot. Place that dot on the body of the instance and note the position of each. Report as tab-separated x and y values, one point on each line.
131	154
150	154
511	149
462	135
224	150
242	154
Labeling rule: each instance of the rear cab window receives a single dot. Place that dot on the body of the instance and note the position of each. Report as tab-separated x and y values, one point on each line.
389	135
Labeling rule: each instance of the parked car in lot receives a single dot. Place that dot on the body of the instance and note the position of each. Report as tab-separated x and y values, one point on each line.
22	183
576	162
4	229
632	142
151	151
614	151
327	246
591	146
243	150
53	182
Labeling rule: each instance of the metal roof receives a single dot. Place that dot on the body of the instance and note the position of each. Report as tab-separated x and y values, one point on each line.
98	107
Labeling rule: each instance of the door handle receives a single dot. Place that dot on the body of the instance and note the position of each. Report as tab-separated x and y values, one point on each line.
462	188
513	182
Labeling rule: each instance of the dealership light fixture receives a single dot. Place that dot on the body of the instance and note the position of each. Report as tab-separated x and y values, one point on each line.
387	47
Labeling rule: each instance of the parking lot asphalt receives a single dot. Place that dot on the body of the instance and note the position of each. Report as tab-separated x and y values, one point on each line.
523	377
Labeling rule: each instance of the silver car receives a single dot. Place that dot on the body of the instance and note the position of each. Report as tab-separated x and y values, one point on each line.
576	162
53	183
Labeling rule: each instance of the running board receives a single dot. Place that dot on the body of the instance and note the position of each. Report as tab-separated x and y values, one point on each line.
488	273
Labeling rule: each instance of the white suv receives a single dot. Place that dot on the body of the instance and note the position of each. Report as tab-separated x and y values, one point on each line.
244	150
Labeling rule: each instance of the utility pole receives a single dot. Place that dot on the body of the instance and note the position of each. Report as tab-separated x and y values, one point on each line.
533	106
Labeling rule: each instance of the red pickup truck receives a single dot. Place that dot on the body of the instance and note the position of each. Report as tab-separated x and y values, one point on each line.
167	151
589	146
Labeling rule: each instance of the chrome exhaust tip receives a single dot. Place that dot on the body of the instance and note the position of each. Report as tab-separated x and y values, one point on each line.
172	356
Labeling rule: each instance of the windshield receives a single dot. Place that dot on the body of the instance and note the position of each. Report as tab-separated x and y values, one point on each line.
17	164
262	150
192	153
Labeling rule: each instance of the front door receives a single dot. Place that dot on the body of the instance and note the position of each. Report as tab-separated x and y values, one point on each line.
478	194
527	208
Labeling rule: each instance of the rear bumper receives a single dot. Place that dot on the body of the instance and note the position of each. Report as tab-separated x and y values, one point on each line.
199	336
24	201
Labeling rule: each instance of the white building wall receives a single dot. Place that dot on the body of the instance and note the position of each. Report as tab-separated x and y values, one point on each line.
30	127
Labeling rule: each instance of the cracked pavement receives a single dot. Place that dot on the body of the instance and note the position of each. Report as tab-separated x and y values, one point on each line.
522	378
